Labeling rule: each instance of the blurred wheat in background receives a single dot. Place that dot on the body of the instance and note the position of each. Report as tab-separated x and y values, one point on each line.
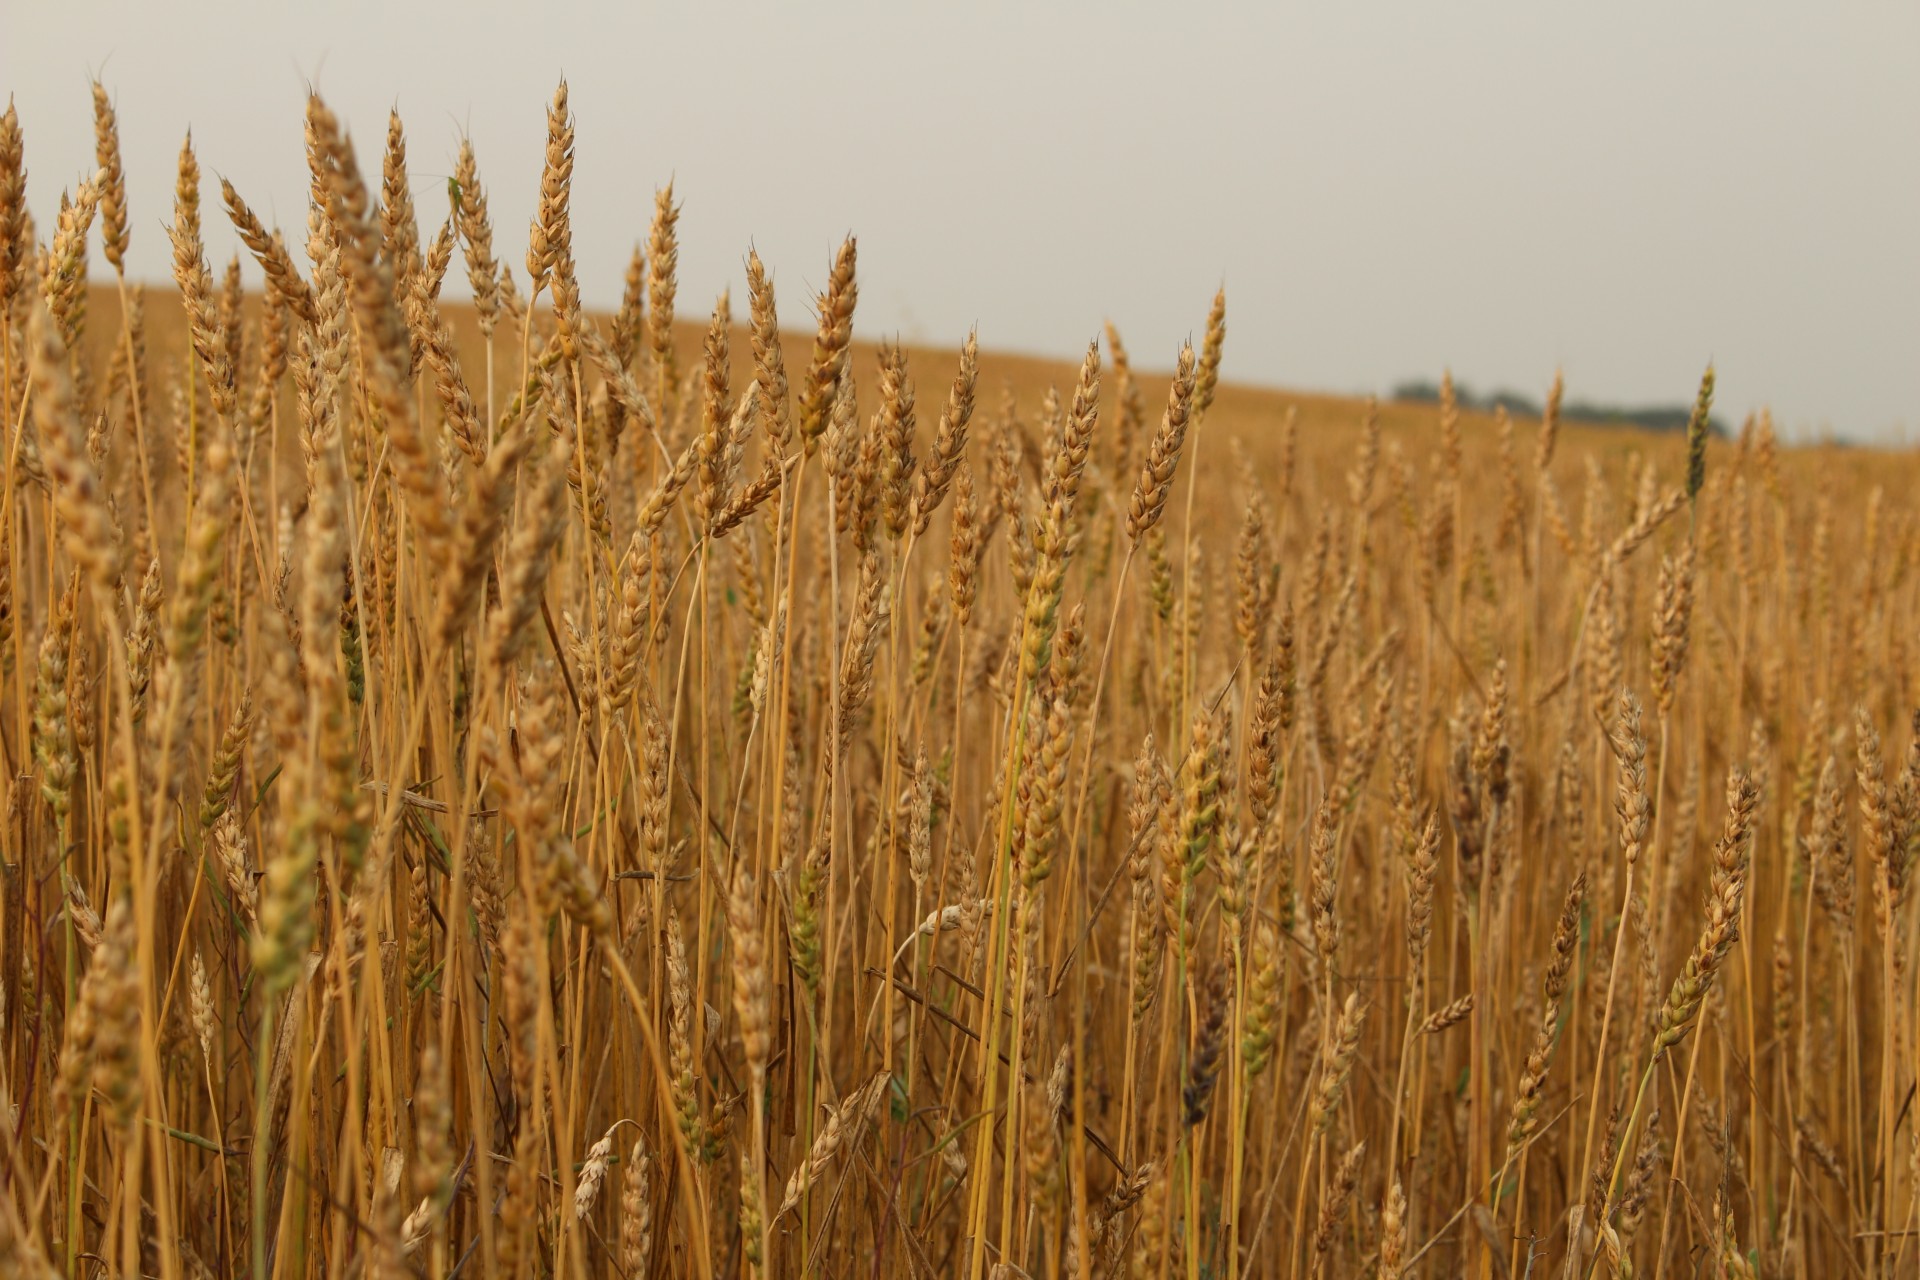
497	790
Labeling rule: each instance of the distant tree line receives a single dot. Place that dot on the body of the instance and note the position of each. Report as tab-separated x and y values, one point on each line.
1655	417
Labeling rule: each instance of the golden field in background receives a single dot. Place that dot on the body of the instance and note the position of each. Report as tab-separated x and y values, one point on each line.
1328	423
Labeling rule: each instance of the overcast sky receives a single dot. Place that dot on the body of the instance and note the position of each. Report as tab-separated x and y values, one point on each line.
1624	190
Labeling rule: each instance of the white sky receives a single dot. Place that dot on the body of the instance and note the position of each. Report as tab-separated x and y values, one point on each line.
1624	190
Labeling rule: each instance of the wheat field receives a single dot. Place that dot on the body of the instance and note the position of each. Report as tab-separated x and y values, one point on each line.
499	790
